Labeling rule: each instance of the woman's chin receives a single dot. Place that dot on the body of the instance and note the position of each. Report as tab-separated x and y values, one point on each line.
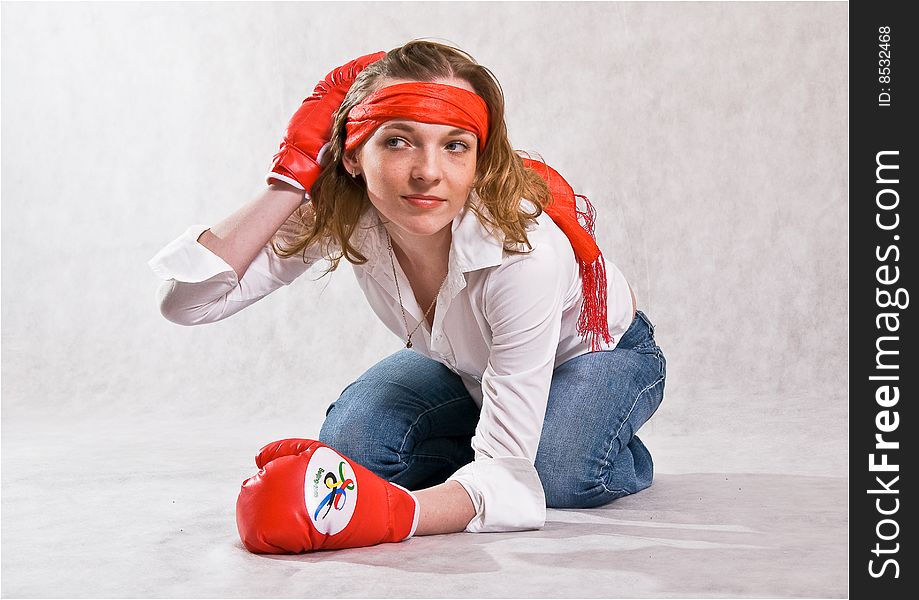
419	223
424	229
422	225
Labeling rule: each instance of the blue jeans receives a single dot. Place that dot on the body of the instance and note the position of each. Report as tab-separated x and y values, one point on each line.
410	420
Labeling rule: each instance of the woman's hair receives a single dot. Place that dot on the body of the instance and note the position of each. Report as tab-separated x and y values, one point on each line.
501	180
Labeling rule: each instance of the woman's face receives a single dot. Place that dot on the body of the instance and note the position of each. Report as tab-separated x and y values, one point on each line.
406	158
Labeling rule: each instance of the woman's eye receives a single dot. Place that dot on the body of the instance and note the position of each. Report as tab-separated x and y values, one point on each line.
455	146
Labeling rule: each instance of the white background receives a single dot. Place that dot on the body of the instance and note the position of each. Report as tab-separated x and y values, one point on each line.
711	138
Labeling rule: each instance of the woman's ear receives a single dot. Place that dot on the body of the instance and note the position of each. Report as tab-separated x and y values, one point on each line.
349	160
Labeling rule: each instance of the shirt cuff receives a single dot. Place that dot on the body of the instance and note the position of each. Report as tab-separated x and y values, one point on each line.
506	492
185	260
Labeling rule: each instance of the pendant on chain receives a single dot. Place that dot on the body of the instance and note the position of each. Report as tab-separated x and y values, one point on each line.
392	260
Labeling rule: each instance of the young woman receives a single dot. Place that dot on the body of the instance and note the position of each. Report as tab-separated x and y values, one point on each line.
527	368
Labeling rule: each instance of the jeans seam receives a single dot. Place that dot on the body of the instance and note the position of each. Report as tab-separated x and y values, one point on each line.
614	437
415	422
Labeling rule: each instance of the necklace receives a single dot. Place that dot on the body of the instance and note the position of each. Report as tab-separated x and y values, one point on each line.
408	343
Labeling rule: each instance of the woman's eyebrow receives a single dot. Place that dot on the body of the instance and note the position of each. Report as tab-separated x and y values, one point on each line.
407	127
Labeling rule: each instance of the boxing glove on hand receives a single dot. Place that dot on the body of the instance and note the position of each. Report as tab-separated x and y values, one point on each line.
306	496
297	161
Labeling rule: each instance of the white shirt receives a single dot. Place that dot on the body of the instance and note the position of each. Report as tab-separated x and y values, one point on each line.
503	322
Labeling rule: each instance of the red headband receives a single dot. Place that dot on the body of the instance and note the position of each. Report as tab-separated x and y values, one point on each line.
418	101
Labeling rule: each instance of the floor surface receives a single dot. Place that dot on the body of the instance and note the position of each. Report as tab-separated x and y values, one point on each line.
98	509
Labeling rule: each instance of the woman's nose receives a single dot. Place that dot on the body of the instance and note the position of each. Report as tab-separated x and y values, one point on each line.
427	166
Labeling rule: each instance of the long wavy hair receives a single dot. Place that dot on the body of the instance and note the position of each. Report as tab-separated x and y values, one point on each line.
338	200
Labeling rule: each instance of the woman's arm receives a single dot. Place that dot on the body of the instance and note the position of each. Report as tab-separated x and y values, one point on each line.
445	508
202	270
240	237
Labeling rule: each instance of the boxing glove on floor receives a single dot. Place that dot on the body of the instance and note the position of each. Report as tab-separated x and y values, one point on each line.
306	496
297	160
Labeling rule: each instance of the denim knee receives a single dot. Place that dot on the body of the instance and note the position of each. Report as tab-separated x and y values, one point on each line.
581	484
356	444
408	419
567	487
361	438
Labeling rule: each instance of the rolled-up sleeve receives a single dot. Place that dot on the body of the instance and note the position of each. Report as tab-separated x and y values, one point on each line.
524	307
200	287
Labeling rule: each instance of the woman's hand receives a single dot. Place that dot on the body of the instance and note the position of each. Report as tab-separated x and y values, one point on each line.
297	161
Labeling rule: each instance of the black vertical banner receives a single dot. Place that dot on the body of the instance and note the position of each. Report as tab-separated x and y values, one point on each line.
884	373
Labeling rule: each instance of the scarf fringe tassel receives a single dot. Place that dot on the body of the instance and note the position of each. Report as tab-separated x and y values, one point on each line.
592	324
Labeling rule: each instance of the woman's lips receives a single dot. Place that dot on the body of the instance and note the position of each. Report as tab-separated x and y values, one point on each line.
424	201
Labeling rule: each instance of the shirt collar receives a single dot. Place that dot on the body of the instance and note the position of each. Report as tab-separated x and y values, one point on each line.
473	246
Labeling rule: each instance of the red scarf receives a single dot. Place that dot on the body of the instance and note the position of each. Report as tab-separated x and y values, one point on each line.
446	104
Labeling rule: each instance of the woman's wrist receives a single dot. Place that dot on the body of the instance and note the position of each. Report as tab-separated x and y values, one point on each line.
277	185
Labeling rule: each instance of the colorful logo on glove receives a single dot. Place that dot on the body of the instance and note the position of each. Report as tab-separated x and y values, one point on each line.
331	491
338	487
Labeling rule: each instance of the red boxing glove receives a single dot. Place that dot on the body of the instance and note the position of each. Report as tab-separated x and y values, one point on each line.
297	161
307	496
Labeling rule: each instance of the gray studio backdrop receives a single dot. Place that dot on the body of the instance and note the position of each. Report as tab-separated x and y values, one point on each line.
712	139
